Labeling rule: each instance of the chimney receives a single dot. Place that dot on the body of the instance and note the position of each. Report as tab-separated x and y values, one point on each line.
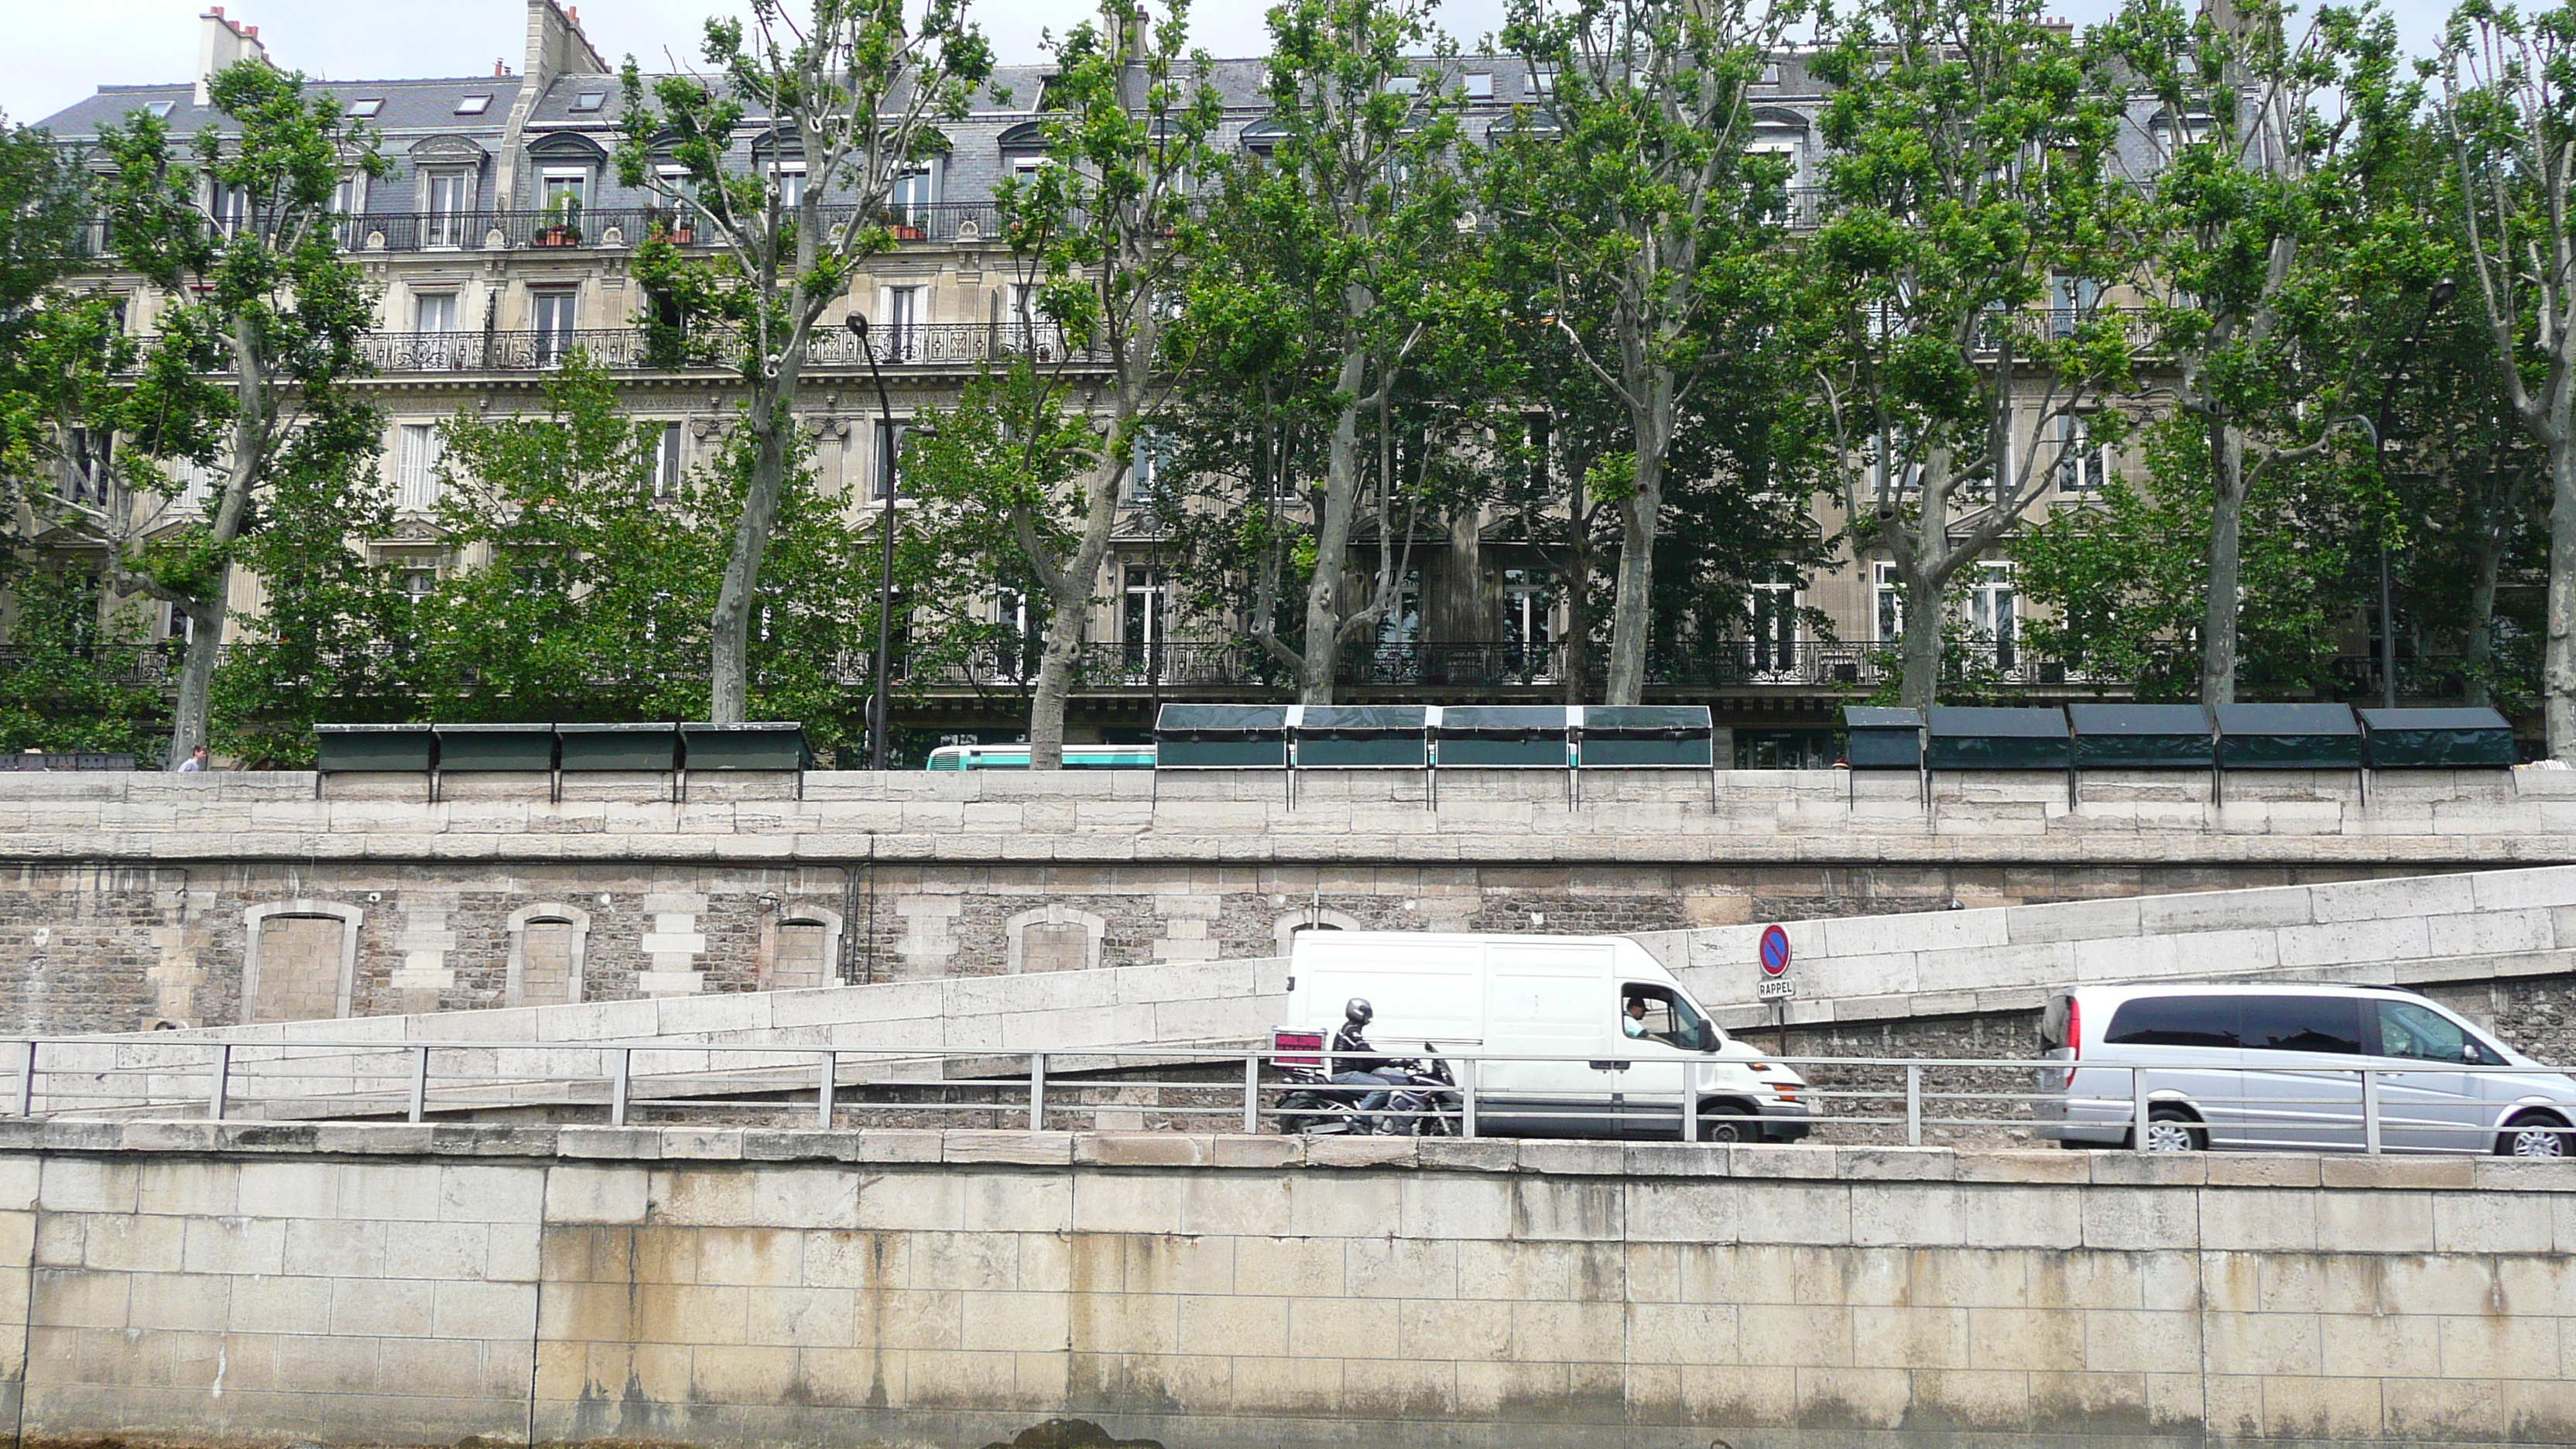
221	43
557	46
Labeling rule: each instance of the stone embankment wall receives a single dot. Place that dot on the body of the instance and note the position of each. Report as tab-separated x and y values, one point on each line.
191	1283
131	899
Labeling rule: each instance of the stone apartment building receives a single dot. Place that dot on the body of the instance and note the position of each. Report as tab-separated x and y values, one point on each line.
500	239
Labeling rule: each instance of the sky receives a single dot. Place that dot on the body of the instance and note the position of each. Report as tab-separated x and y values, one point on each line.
62	50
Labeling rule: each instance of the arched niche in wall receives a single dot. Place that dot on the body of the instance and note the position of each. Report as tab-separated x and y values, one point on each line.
1312	918
299	960
1055	938
800	948
548	945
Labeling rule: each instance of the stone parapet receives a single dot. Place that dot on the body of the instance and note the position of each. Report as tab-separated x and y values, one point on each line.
1219	817
186	1283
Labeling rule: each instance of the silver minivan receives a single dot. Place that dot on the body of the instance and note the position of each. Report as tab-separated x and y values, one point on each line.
2283	1067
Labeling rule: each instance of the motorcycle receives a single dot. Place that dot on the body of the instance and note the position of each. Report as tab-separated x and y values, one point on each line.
1318	1105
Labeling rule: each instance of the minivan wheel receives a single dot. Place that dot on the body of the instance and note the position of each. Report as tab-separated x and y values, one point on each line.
2173	1129
2533	1134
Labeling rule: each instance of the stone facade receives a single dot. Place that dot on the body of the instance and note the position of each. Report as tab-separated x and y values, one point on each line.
190	1283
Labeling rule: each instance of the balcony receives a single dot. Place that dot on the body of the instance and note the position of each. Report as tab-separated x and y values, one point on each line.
603	228
629	349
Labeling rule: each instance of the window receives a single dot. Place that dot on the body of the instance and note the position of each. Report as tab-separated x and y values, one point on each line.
1480	86
86	458
1993	612
1658	1013
1030	331
349	198
419	582
1770	75
589	101
1774	624
2183	1021
565	192
2071	300
416	468
791	185
898	333
2327	1024
196	484
1403	85
231	208
473	105
666	461
1141	618
1893	472
2082	467
366	108
451	195
915	192
557	314
1529	596
2421	1033
1890	593
159	110
1144	466
892	439
1400	627
433	312
1542	82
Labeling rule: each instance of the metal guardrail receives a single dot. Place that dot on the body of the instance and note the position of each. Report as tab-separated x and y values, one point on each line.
1237	1089
628	349
607	228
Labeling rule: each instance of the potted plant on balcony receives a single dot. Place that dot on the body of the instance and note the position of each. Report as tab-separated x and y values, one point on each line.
562	228
672	226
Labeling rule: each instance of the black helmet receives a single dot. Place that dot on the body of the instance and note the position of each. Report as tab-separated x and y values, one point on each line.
1358	1012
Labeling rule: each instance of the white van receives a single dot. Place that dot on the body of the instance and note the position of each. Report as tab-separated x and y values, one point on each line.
1615	1074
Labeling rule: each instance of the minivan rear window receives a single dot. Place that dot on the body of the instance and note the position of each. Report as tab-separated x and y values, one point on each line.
2184	1021
2052	1024
2329	1024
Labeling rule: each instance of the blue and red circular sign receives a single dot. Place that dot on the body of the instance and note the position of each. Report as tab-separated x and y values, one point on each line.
1775	951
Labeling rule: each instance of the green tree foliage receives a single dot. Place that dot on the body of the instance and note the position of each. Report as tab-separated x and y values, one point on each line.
1334	297
1973	227
75	679
258	335
853	92
45	214
589	578
1655	237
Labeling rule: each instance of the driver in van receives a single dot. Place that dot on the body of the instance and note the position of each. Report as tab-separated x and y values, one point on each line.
1635	1025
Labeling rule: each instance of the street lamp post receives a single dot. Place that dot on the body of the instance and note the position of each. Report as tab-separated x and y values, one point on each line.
877	706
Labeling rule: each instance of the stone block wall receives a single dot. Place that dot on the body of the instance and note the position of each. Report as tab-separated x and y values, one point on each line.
203	1284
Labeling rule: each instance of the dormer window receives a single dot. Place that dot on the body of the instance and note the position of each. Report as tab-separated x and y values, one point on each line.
1403	85
1480	86
589	101
366	107
160	110
473	105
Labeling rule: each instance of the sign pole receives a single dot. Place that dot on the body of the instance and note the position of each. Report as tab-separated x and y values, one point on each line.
1775	985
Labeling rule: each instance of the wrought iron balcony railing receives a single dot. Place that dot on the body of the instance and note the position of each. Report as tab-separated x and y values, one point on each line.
930	344
604	228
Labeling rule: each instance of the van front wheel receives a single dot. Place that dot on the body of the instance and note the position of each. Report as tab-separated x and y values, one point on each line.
1724	1122
2174	1129
2533	1134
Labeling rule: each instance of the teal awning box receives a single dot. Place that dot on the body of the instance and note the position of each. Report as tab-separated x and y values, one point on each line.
620	746
764	745
1363	737
1502	737
1644	737
1882	739
1221	737
1977	738
2288	737
412	747
517	747
2436	739
2142	736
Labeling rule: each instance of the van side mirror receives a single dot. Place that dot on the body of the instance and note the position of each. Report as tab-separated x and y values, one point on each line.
1708	1037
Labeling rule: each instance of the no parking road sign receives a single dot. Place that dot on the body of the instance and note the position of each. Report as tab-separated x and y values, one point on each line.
1775	982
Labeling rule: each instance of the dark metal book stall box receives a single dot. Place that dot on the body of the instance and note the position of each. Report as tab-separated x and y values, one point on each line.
2285	737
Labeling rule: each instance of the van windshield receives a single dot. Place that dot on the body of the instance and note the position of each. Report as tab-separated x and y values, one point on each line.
1659	1013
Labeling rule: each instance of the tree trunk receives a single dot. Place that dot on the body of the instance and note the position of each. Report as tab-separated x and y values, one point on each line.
1069	610
197	671
1332	542
1921	688
2477	649
2226	526
2558	666
729	667
1631	611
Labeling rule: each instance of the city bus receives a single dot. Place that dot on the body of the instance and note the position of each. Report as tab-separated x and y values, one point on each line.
1016	757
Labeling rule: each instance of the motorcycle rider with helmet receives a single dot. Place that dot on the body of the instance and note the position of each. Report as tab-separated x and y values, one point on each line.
1355	1062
